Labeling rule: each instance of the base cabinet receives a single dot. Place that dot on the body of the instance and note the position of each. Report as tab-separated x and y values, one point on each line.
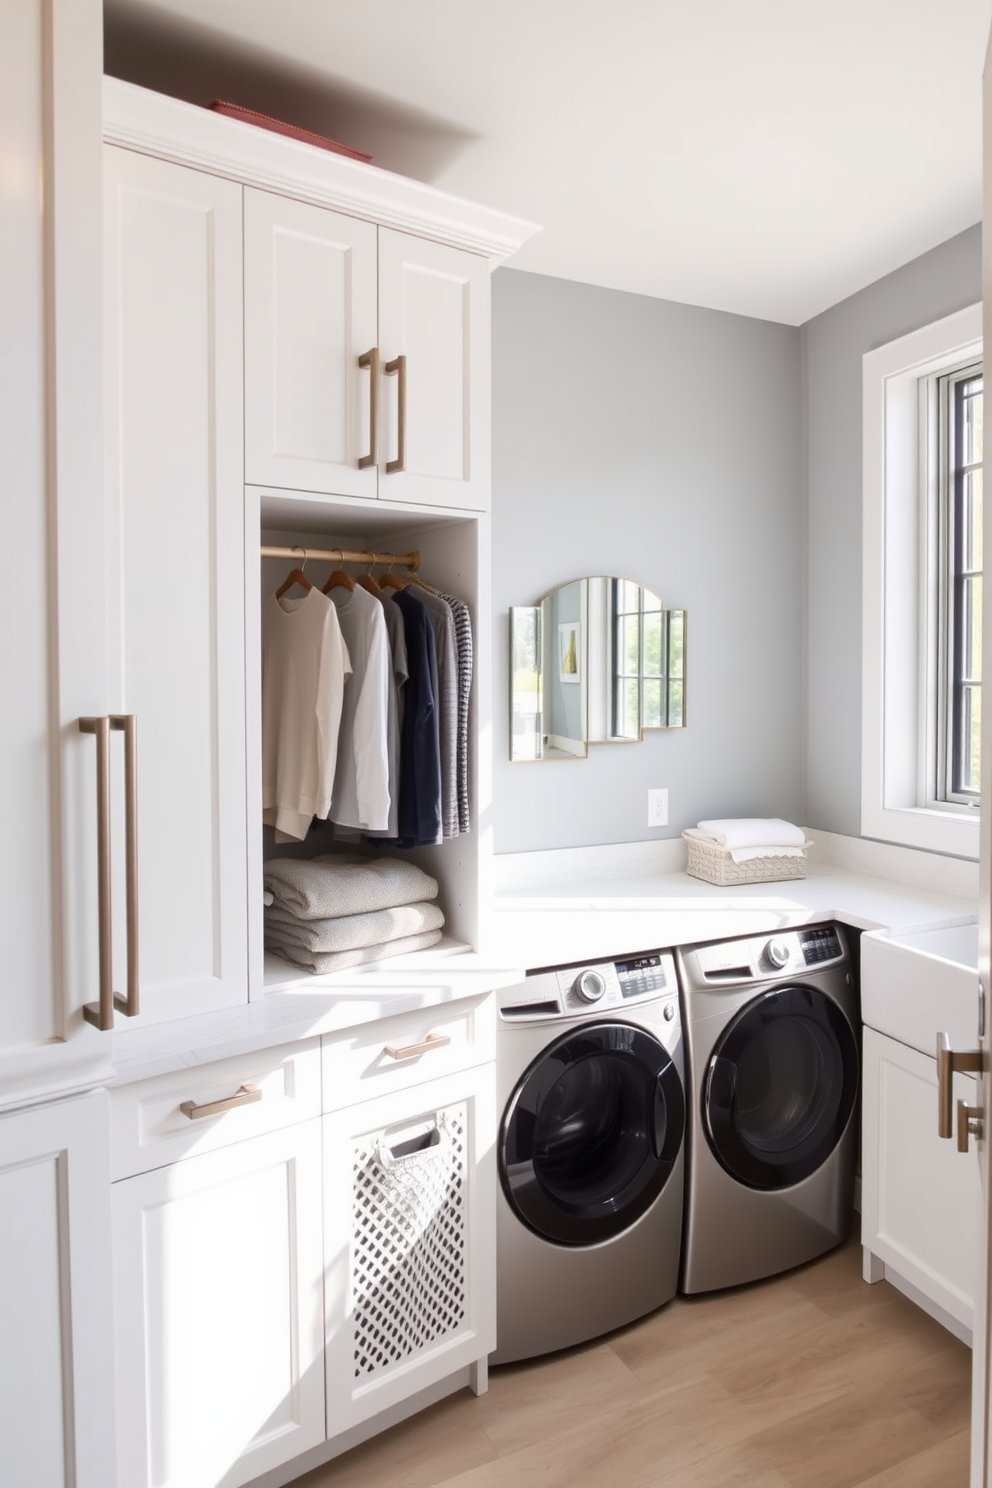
409	1224
921	1198
218	1313
56	1417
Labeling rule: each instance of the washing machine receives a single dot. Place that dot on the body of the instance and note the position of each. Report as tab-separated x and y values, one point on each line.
772	1033
590	1151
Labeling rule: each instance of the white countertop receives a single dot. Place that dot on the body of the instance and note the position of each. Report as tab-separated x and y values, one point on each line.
550	911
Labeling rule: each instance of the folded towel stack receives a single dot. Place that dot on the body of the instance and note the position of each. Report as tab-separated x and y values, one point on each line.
748	837
339	910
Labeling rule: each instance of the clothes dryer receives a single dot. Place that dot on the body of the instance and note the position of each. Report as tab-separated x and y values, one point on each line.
772	1032
590	1152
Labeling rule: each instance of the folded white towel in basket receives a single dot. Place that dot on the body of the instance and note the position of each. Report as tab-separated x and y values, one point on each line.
748	837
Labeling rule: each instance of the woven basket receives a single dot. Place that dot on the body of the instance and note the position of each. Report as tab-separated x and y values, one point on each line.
710	861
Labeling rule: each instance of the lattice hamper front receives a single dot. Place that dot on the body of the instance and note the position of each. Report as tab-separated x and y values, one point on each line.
409	1247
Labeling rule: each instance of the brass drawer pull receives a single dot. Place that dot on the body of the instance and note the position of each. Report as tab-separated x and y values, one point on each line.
410	1051
246	1096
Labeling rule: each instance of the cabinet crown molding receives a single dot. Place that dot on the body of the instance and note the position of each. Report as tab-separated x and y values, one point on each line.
152	123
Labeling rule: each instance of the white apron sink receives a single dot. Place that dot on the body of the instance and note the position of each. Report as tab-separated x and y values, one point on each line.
917	983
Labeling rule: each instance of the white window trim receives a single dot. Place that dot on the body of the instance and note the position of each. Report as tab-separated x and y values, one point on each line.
893	752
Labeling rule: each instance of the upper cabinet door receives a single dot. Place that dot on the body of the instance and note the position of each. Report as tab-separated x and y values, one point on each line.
434	313
175	591
310	296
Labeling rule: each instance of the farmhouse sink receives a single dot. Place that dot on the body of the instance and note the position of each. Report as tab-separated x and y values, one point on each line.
919	982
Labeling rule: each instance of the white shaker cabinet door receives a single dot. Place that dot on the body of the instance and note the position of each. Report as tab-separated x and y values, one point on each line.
175	590
310	317
434	314
217	1273
920	1197
56	1338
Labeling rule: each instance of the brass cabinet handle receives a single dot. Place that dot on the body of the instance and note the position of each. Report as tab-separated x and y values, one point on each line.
410	1051
127	724
371	360
398	366
101	1013
971	1123
950	1062
246	1096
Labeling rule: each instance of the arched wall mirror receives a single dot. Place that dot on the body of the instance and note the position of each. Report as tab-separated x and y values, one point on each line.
596	661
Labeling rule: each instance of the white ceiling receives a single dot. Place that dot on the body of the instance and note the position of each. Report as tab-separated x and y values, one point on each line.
767	157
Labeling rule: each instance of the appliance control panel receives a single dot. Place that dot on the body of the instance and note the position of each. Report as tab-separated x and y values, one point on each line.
613	983
760	957
822	943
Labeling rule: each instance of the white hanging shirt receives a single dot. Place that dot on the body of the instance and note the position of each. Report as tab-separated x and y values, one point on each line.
361	782
305	662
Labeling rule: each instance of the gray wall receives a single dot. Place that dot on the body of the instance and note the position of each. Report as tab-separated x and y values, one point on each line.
938	283
662	443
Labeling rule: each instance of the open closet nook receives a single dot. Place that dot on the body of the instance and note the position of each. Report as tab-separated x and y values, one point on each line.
366	689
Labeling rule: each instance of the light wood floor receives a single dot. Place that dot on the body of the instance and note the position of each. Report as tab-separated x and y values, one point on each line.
809	1380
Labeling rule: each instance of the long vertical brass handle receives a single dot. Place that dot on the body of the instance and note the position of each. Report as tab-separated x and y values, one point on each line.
127	724
950	1062
371	360
101	1014
398	366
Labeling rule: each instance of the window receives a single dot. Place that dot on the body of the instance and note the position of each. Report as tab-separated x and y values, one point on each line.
921	594
955	427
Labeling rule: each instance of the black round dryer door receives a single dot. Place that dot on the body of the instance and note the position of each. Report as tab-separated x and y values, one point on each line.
591	1134
780	1087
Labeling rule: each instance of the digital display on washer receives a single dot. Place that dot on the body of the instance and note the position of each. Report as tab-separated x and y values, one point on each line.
819	945
643	974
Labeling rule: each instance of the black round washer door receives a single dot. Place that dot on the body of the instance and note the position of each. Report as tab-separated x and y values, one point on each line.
780	1087
592	1133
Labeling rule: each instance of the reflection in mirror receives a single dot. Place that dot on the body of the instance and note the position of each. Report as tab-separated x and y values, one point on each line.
599	660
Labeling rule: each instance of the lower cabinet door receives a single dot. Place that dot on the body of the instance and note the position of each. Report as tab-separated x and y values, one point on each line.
921	1198
219	1313
56	1305
409	1239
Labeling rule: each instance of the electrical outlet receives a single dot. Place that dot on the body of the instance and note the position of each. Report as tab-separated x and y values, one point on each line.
658	808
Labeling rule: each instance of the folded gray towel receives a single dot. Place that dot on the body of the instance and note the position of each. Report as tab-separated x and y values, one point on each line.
344	884
352	932
320	964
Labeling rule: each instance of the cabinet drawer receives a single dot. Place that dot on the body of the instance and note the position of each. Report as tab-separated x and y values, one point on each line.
395	1053
150	1127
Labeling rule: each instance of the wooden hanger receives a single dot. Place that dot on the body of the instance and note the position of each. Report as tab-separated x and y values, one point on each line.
295	576
416	579
368	582
338	579
389	580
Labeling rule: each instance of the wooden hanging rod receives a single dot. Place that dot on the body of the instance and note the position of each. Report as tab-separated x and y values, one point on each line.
344	555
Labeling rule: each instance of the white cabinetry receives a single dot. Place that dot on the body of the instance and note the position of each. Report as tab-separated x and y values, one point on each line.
175	586
366	358
921	1198
409	1208
56	1360
218	1281
284	1280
